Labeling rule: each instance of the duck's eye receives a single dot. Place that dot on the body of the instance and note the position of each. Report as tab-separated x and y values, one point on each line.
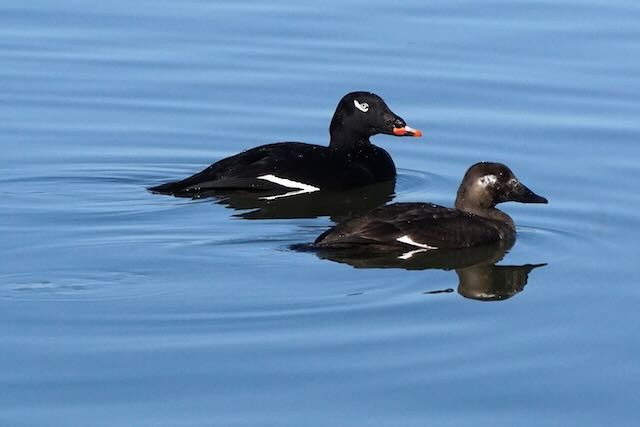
364	107
488	180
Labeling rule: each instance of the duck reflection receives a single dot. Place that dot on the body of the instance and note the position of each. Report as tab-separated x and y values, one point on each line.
336	205
490	282
479	277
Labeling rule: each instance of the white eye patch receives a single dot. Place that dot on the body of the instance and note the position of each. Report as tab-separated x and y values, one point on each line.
488	180
364	107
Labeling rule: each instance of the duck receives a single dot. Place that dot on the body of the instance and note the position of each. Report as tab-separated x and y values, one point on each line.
350	161
474	221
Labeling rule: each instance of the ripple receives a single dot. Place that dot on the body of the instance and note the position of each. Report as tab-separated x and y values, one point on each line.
76	285
534	244
414	185
102	101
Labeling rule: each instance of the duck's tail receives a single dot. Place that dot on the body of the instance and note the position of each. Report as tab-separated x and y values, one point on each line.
168	188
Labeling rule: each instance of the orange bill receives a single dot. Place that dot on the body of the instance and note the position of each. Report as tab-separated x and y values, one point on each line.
407	131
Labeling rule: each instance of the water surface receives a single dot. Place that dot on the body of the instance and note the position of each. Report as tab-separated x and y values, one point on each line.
122	307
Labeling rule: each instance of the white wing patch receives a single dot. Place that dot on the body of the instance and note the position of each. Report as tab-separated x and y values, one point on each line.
409	241
301	188
364	107
488	180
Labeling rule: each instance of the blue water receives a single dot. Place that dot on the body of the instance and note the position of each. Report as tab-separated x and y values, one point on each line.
121	307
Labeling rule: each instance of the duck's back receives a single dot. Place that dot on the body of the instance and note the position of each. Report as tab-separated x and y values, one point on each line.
423	225
290	164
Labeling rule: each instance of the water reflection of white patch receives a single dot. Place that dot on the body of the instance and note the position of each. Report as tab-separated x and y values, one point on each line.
301	188
409	254
409	241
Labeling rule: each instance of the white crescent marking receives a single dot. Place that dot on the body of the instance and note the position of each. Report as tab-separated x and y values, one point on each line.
364	107
301	187
409	241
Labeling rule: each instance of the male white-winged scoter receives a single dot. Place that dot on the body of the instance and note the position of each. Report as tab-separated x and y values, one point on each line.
350	160
475	220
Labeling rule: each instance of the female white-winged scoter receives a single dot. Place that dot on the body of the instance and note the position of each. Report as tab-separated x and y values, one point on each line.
350	160
424	226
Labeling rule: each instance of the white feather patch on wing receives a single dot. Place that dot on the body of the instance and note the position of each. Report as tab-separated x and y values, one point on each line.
301	188
409	241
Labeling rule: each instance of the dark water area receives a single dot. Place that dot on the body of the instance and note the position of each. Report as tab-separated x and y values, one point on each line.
123	307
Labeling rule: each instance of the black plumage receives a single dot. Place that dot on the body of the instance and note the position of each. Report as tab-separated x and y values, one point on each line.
350	160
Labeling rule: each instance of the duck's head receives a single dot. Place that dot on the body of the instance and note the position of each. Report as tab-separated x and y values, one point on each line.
364	114
487	184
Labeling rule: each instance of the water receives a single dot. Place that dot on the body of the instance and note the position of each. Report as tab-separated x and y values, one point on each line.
120	307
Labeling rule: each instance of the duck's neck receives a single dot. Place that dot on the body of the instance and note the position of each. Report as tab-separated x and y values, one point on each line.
491	213
344	139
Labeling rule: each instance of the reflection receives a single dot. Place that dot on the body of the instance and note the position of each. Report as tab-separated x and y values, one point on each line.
337	205
479	276
490	282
